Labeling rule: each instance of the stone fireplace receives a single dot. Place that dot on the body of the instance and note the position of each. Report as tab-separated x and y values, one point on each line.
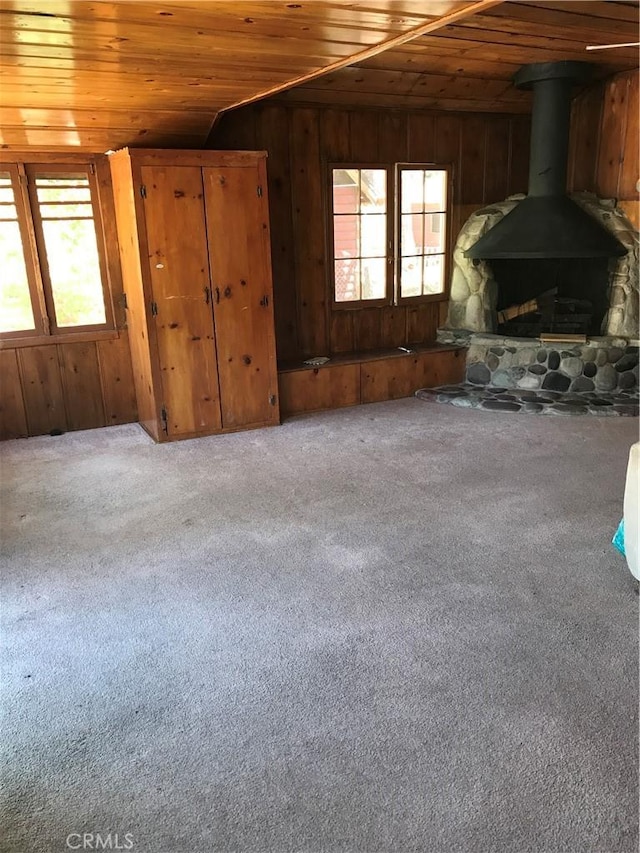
545	287
475	299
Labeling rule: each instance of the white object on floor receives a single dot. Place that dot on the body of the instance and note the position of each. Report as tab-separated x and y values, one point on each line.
632	511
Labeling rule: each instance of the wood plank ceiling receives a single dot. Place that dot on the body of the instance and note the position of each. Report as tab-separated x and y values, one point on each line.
468	65
93	75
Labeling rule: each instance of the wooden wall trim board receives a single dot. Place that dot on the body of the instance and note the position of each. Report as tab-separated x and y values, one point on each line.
488	154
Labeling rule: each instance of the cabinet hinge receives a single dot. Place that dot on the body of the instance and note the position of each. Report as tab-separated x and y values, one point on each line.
123	300
92	168
143	191
154	309
259	192
264	301
164	418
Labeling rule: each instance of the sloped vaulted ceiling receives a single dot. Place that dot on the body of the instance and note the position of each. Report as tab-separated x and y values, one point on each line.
99	75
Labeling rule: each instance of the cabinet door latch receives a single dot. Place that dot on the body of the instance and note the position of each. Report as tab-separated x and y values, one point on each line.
264	301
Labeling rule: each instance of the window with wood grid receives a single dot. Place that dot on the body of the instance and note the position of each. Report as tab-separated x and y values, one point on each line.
388	233
53	277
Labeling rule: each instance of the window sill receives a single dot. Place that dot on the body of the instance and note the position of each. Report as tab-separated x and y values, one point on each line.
50	340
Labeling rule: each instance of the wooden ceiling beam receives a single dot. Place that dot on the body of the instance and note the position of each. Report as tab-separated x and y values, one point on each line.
429	27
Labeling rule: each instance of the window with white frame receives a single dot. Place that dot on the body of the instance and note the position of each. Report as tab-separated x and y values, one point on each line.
388	233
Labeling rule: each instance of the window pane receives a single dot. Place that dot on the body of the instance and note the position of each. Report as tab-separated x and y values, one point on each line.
434	233
347	278
345	236
412	190
16	313
373	236
74	270
52	190
411	276
411	236
435	190
360	233
72	251
66	211
373	190
346	193
373	278
433	274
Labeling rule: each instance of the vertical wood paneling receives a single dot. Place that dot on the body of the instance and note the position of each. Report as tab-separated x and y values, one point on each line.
42	389
237	130
13	419
363	137
273	124
472	159
80	375
520	144
612	136
368	328
393	326
116	380
448	133
335	141
392	137
421	138
308	232
629	165
604	142
586	116
422	322
496	162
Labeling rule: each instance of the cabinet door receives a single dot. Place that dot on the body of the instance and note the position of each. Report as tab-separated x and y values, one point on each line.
179	270
239	254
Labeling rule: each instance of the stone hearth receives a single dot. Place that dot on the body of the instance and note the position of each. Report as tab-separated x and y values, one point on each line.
523	375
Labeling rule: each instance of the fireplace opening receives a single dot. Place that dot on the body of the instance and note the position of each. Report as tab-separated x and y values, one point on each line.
559	295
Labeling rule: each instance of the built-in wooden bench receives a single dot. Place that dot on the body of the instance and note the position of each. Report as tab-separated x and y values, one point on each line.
367	377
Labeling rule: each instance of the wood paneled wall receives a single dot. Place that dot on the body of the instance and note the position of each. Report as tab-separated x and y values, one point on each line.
489	155
66	386
604	141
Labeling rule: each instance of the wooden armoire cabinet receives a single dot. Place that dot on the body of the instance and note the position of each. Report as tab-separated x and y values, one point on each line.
193	229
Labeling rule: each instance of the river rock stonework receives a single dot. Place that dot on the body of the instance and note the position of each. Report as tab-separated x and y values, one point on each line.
473	296
524	375
601	364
